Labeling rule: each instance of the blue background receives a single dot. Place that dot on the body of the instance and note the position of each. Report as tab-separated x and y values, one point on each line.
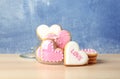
92	23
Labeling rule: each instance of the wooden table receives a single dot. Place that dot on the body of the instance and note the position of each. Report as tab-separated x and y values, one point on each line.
14	67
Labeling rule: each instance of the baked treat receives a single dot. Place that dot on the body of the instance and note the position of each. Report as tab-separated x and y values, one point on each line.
55	33
73	56
92	55
92	61
92	58
43	30
63	38
38	54
48	53
90	52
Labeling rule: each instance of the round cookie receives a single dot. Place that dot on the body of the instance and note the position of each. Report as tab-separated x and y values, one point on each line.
92	58
92	55
92	62
90	52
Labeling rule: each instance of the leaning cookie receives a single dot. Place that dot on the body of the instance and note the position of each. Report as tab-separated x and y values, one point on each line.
73	56
38	54
48	53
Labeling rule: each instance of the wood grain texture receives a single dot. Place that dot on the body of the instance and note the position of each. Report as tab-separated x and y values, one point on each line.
14	67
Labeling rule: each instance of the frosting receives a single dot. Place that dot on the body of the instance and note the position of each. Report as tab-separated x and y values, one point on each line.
73	55
44	30
63	39
52	36
89	51
49	53
38	52
76	54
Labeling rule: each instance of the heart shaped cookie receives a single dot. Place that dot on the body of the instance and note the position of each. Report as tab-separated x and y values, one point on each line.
62	39
44	30
73	55
49	53
38	54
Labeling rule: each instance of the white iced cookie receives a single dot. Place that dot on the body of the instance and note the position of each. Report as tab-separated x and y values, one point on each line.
44	30
73	55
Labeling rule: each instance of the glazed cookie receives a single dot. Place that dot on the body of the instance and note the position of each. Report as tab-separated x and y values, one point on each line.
48	53
92	61
73	56
92	58
63	38
55	33
38	54
44	30
90	52
92	55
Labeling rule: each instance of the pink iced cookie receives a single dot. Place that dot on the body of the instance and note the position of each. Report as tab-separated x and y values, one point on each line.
61	39
90	52
49	53
54	32
38	54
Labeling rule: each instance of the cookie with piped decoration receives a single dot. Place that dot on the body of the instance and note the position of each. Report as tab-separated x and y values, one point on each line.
56	33
48	53
92	55
43	31
73	56
90	52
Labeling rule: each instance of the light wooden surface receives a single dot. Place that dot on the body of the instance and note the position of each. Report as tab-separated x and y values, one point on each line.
14	67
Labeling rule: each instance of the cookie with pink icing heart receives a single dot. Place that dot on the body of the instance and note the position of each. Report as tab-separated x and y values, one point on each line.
49	53
61	39
73	55
55	33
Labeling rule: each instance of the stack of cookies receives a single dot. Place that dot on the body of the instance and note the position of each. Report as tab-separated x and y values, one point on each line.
92	55
53	40
56	47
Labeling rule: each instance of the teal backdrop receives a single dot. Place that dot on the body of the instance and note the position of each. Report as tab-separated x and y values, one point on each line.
92	23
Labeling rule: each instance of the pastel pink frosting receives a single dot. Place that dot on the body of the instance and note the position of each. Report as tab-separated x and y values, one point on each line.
89	51
76	54
49	53
61	39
